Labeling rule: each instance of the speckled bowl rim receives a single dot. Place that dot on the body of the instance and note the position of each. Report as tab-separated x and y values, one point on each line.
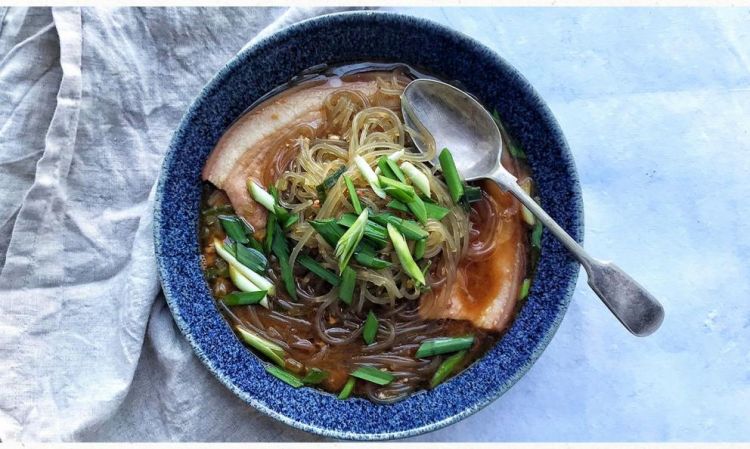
257	403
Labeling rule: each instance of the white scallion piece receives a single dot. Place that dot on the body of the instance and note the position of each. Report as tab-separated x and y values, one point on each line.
369	175
260	195
245	285
259	281
395	156
418	178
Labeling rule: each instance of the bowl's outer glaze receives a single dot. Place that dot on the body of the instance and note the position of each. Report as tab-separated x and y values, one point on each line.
341	38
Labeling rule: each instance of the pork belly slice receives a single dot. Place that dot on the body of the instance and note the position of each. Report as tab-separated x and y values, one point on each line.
485	291
249	149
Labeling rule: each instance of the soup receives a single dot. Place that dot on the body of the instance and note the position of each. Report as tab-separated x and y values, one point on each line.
342	256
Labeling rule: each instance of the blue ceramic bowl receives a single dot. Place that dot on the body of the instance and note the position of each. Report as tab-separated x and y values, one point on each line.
342	38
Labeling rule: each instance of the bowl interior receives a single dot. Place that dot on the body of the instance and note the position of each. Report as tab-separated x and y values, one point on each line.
344	38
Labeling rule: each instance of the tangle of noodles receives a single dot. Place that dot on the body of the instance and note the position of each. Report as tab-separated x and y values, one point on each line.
318	330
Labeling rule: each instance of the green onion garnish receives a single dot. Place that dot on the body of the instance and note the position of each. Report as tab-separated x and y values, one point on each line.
419	247
536	235
245	285
397	189
353	195
452	179
373	231
315	376
346	289
258	280
398	205
369	175
443	345
525	287
291	219
435	212
271	350
280	248
260	195
472	194
369	260
243	298
318	269
281	213
349	241
373	375
284	376
446	368
348	388
417	207
251	258
270	226
411	229
402	251
418	178
370	328
390	169
234	228
329	182
328	229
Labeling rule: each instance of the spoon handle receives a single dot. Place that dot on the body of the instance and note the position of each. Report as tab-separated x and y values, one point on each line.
637	309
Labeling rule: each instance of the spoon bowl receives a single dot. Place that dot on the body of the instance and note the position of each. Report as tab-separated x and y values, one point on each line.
447	117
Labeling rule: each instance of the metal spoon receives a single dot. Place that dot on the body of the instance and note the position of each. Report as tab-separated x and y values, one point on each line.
456	121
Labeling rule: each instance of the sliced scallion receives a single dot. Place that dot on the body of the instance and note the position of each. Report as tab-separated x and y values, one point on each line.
397	189
411	229
472	194
348	388
280	248
369	176
443	345
536	235
395	156
243	298
291	219
417	207
370	261
315	376
284	376
404	256
418	178
329	182
234	228
349	241
270	349
260	195
390	169
398	205
328	229
353	195
450	173
348	280
419	247
436	212
373	230
270	227
446	368
319	270
524	290
259	281
373	375
370	329
251	258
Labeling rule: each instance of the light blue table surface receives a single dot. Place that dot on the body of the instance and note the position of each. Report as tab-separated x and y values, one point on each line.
655	105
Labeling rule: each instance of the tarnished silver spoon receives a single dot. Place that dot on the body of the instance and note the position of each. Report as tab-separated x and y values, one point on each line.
458	122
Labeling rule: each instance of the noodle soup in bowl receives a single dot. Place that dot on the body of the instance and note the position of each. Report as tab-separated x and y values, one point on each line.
330	275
